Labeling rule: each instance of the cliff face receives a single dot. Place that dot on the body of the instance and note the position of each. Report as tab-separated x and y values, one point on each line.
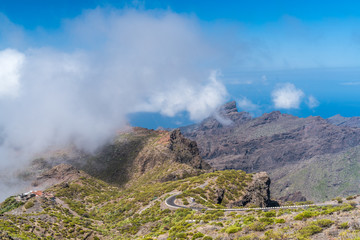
281	145
257	193
186	151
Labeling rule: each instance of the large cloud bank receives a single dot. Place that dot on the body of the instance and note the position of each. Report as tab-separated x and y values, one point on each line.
105	65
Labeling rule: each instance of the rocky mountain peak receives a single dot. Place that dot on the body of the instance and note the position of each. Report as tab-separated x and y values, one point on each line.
269	117
229	107
258	192
186	151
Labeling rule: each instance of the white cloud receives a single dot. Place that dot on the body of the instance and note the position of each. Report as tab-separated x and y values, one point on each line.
312	102
287	97
111	63
11	62
246	105
198	100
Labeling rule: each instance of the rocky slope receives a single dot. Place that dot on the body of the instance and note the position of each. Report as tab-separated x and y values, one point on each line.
282	145
83	207
131	154
88	204
345	121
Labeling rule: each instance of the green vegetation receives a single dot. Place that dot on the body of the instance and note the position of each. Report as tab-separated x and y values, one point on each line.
9	204
324	223
344	225
309	230
29	204
90	206
232	229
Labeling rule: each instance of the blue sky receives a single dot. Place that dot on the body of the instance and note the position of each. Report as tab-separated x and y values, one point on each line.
299	57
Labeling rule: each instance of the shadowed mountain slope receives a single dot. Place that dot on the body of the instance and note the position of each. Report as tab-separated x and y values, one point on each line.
278	144
130	155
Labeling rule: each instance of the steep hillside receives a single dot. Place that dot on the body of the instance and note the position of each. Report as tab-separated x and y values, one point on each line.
130	155
280	144
83	207
98	202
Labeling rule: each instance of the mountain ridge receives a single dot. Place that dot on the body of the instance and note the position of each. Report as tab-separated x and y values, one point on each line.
275	143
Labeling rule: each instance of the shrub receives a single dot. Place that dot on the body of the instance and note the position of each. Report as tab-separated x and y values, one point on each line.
280	220
344	225
29	204
257	226
275	235
233	229
310	230
181	235
27	227
306	214
270	214
197	235
324	223
348	207
267	220
220	224
207	238
350	197
249	219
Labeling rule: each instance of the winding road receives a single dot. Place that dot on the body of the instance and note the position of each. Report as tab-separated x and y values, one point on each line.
170	202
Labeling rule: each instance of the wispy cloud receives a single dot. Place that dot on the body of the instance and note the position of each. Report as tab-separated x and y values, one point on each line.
312	102
247	105
351	83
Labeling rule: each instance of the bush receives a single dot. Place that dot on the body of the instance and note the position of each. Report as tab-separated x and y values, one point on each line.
181	235
267	220
348	207
257	226
29	204
220	224
280	220
350	197
249	219
207	238
324	223
275	235
344	225
197	235
306	214
270	214
338	199
232	229
310	230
